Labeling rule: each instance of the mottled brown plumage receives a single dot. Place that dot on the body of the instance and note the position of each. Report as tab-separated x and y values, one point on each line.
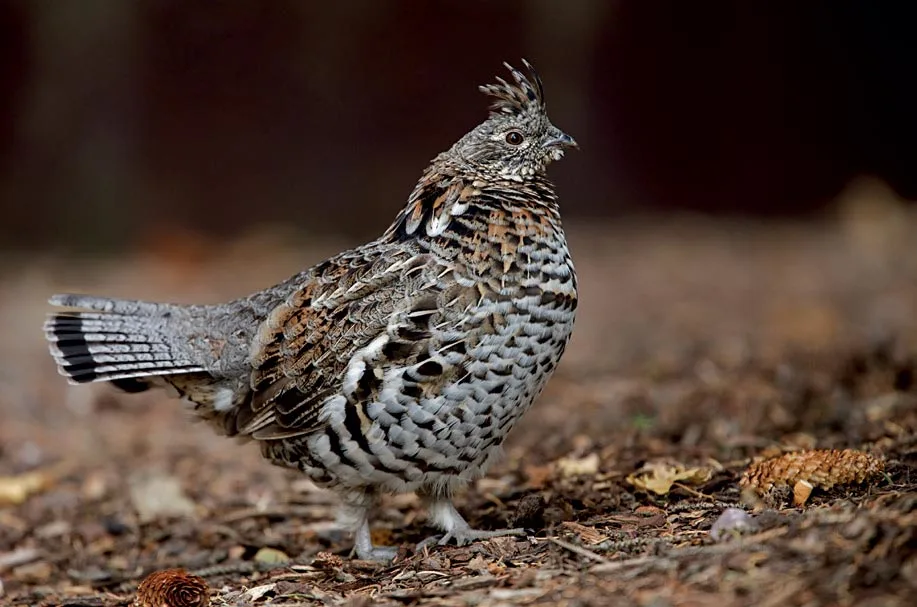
400	365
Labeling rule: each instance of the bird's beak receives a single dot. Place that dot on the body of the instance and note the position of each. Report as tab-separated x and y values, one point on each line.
558	139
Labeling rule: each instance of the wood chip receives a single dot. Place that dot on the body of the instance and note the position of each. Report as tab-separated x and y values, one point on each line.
18	557
801	492
587	535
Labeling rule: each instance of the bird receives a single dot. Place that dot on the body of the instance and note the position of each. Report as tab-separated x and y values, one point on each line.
397	366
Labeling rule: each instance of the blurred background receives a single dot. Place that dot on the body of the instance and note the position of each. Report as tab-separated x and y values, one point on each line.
123	122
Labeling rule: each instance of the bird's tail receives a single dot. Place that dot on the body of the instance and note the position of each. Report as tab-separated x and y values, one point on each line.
117	340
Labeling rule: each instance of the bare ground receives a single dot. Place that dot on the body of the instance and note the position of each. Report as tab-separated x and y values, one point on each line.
701	344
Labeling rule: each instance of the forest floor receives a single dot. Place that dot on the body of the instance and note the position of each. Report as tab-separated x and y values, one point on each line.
700	347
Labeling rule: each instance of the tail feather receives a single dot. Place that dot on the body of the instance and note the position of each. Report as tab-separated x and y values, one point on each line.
105	304
121	340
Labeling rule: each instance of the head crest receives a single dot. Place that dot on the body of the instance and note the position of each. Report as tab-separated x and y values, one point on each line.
527	95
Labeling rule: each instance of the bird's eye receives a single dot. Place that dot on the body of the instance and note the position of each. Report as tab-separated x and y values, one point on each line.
514	138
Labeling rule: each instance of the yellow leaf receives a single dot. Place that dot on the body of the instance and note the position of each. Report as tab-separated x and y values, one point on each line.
659	477
17	489
578	467
271	556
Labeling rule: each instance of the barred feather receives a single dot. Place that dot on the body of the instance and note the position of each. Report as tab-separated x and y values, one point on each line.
124	341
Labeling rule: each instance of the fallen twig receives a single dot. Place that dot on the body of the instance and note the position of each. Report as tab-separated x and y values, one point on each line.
583	552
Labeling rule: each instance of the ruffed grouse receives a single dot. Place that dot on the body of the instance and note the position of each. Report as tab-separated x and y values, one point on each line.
397	366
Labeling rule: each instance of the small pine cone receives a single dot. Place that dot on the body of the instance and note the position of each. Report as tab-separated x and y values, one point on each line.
823	468
172	588
327	561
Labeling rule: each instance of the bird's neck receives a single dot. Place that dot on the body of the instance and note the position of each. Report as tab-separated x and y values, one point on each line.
498	233
448	199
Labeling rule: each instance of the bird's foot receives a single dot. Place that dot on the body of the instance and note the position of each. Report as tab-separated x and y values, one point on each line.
466	535
444	515
378	554
365	550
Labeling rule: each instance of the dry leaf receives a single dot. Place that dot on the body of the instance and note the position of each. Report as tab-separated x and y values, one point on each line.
496	569
538	476
823	468
578	467
17	489
659	477
253	594
271	556
157	495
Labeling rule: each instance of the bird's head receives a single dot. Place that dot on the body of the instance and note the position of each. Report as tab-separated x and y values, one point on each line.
517	141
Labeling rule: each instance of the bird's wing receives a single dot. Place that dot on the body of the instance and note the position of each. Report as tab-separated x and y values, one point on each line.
359	315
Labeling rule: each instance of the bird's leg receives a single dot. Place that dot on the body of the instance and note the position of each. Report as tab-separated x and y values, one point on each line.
355	517
444	516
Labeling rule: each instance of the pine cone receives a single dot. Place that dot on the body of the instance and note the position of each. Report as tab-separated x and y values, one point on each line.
172	588
822	468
